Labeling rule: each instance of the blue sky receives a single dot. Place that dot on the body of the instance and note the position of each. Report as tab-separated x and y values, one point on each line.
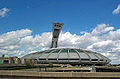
26	26
38	15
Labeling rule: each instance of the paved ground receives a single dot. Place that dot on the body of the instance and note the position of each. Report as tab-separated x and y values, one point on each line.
58	75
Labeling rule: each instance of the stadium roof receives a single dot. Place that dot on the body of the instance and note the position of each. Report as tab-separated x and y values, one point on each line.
68	56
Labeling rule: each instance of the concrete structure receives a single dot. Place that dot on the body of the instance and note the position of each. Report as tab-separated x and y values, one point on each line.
71	56
11	60
56	31
66	55
58	75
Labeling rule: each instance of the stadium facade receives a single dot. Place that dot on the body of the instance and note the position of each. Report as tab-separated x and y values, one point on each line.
71	56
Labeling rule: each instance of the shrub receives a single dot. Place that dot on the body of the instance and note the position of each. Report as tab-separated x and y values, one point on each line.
29	63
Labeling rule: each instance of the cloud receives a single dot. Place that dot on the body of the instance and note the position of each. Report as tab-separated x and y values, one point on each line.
10	41
102	45
3	12
102	39
117	10
37	42
114	56
102	28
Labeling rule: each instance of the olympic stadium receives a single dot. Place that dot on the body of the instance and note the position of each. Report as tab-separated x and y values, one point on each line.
71	56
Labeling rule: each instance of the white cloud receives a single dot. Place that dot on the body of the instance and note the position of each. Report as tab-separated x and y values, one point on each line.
114	56
3	12
102	39
30	42
117	10
10	41
102	28
102	46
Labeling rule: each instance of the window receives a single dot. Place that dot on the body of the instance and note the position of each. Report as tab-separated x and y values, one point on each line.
6	61
85	59
55	36
73	59
52	59
80	50
101	59
48	51
63	59
64	50
42	59
56	51
72	50
94	59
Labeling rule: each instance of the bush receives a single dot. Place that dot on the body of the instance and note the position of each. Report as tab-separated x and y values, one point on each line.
29	63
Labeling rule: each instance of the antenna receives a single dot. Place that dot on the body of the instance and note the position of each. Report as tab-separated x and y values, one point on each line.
56	31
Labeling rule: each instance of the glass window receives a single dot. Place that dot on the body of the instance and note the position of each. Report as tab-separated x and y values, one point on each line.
56	51
72	50
64	50
48	51
79	50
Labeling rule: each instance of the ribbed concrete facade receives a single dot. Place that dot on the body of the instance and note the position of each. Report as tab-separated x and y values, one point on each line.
68	56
